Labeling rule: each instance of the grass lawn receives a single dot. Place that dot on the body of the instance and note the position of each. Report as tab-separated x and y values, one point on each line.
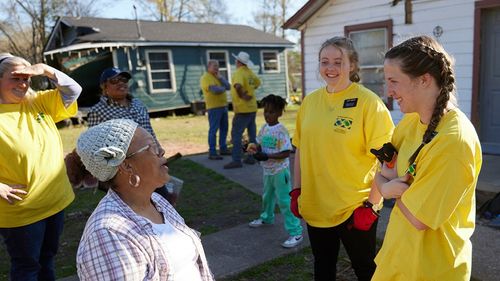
185	134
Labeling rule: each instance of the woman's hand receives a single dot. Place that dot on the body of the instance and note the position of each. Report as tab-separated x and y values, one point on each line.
35	70
395	188
389	170
8	192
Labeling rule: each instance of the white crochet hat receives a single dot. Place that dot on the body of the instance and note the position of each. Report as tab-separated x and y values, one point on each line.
103	148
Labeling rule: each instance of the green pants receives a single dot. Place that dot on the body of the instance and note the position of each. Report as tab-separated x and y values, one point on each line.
276	188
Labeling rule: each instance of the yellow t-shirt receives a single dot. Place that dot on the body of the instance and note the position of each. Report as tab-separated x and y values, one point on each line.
335	133
31	154
212	100
249	81
441	196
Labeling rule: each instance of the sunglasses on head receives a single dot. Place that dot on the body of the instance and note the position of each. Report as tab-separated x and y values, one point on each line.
118	79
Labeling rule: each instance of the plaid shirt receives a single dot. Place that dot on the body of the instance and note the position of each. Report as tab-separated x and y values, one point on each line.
118	244
107	109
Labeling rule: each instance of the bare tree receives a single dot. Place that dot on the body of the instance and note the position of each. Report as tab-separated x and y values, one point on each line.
25	24
271	16
186	10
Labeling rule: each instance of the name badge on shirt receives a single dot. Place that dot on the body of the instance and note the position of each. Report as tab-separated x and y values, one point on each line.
350	102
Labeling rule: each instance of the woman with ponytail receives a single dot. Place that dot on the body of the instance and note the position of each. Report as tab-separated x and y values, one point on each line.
438	163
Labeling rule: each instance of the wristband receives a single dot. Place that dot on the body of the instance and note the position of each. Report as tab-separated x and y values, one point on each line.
375	207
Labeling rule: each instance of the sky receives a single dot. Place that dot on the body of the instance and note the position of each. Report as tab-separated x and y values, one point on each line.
241	11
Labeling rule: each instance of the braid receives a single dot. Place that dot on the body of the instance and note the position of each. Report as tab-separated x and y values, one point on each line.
437	114
421	55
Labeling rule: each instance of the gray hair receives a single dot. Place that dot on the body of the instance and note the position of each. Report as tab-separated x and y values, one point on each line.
7	61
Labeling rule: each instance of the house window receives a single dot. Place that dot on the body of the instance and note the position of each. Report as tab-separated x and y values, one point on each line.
160	71
270	61
372	40
222	58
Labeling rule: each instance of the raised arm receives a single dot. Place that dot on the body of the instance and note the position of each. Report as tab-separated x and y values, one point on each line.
69	89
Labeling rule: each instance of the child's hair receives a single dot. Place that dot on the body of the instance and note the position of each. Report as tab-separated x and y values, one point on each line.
274	101
418	56
343	43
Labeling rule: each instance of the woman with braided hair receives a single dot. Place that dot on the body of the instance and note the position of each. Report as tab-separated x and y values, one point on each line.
439	159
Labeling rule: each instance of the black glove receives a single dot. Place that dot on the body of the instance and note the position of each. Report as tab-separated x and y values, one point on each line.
261	156
386	153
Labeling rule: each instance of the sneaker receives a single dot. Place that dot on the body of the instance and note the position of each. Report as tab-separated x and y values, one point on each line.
232	165
249	160
292	241
225	152
215	157
258	223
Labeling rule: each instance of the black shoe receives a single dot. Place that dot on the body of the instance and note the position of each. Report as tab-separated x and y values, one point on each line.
249	161
232	165
225	152
215	157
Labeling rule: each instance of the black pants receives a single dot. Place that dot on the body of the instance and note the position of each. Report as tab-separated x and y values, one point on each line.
360	246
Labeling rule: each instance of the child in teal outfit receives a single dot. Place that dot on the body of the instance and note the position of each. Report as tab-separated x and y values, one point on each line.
273	150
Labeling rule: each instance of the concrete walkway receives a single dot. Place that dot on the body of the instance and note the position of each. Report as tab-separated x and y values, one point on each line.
239	248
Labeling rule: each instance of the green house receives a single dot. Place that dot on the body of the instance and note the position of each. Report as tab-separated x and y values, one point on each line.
166	60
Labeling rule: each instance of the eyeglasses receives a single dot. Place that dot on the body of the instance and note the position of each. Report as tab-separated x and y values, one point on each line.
156	150
118	79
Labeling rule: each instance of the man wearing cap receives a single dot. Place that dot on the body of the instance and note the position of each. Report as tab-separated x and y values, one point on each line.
117	102
214	89
245	107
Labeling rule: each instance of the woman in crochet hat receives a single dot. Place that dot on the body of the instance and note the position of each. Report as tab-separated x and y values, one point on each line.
34	188
134	233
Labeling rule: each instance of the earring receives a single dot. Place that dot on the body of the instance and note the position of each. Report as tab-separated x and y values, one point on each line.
134	180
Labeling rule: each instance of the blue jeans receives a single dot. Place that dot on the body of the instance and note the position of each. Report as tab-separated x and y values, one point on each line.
217	120
32	248
242	121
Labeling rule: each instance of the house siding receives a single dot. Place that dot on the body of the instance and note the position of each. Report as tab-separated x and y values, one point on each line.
189	66
455	17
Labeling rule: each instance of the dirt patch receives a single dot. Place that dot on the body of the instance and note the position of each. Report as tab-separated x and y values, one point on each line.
172	148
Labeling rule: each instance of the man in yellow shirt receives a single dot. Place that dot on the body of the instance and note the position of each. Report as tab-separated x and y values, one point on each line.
245	107
214	89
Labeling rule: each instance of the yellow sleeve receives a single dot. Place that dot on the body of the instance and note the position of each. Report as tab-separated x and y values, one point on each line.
296	134
438	187
204	84
257	81
378	125
53	105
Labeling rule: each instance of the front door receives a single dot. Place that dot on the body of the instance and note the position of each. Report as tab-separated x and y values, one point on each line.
489	93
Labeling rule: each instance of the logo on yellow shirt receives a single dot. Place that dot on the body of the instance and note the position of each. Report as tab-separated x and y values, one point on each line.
40	117
343	122
412	169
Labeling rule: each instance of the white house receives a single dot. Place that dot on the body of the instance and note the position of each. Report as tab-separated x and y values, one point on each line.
469	30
